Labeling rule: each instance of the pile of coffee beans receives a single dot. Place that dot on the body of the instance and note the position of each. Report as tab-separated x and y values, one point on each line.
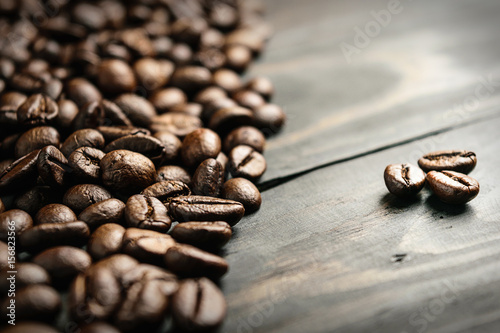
445	172
130	145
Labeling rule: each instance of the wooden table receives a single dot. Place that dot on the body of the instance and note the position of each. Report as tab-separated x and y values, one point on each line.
331	250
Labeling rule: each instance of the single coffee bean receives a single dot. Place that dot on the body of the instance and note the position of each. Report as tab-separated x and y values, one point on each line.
111	133
33	199
53	167
13	223
246	37
166	190
23	327
191	78
106	240
55	213
36	138
261	85
37	110
171	143
85	164
67	113
198	305
210	94
212	106
404	180
47	235
188	29
453	187
244	191
27	274
90	115
269	118
199	145
82	196
147	213
126	171
205	235
177	123
228	80
113	115
245	135
146	245
115	76
138	109
173	172
82	138
63	263
246	162
462	161
20	173
200	208
208	178
192	109
225	120
82	92
152	73
105	211
166	99
187	260
249	99
146	145
181	54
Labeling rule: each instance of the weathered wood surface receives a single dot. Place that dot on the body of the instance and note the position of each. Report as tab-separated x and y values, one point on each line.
418	75
333	251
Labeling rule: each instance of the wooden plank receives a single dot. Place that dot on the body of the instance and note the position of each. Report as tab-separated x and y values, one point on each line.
420	74
333	251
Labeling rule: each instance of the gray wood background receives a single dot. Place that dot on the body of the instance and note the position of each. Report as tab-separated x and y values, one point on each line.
331	250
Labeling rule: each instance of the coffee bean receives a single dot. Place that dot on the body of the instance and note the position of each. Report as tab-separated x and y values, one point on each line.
36	138
462	161
225	120
453	187
126	171
249	99
85	164
63	262
82	196
200	208
208	178
82	138
191	78
209	58
246	162
187	260
243	191
90	115
173	172
212	106
228	80
105	211
166	190
146	145
147	213
112	133
35	302
181	54
37	110
20	173
27	274
138	109
13	223
270	118
192	109
205	235
245	135
404	180
106	240
188	29
261	85
53	167
115	76
146	245
82	92
210	94
67	113
198	305
55	213
23	327
171	143
47	235
113	115
200	145
238	57
33	199
153	74
166	99
179	124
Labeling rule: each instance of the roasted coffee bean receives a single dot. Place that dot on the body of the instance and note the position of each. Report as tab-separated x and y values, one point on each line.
198	305
210	58
113	115
27	274
99	327
37	110
82	196
115	76
225	120
9	103
105	211
23	327
90	115
246	162
53	167
138	109
20	173
200	145
462	161
246	37
67	113
126	171
173	172
146	145
210	94
249	99
215	105
270	118
166	99
55	213
106	240
166	190
147	213
404	180
187	260
245	135
47	235
171	143
208	178
52	88
200	208
261	85
27	82
32	200
82	92
453	187
35	302
223	160
84	163
179	124
188	29
8	145
181	54
153	74
238	57
192	109
228	80
112	133
82	138
146	245
205	235
13	223
36	138
63	262
191	78
4	164
244	191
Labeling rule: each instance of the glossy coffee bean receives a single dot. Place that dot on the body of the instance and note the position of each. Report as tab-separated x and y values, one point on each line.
243	191
126	171
192	109
198	305
27	274
13	223
246	162
82	196
47	235
173	172
33	199
105	211
200	208
67	113
227	119
166	190
177	123
152	73
245	135
53	167
187	260
166	99
115	77
35	302
172	145
462	161
111	133
228	80
200	145
249	99
36	138
191	78
146	245
146	145
209	94
82	138
147	213
404	180
84	163
37	110
82	92
90	115
269	118
26	326
261	85
22	172
55	213
246	37
208	178
212	106
63	262
205	235
113	115
453	187
138	109
106	240
238	57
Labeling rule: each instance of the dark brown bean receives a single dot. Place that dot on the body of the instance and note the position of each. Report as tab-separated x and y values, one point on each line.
191	78
462	161
171	143
205	235
138	109
146	245
82	196
53	167
200	145
20	173
173	172
243	191
63	262
82	138
146	145
404	180
208	178
262	86
269	118
166	190
153	74
14	222
147	213
35	302
82	92
47	235
200	208
35	198
106	240
245	135
27	274
105	211
55	213
112	133
23	327
246	162
166	99
115	76
453	187
187	260
37	110
225	120
228	80
84	163
177	123
210	94
36	138
67	113
249	99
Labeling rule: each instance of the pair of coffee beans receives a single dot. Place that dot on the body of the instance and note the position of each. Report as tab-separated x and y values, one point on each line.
445	172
